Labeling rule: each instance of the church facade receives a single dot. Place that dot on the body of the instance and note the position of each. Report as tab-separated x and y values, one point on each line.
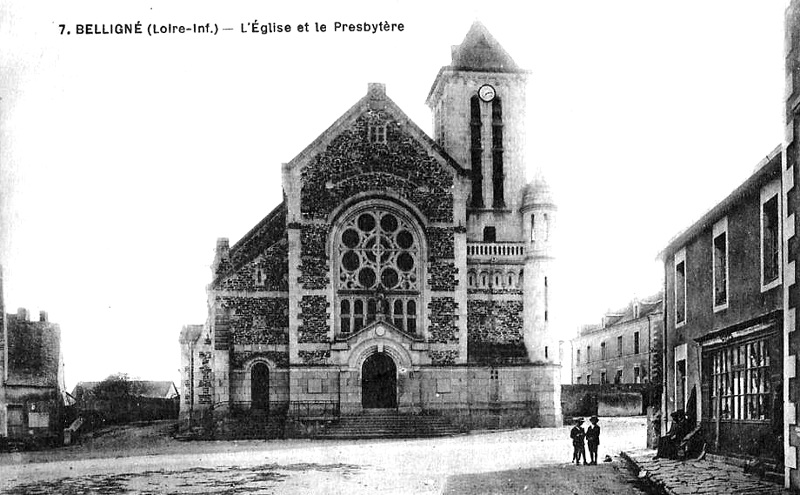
400	271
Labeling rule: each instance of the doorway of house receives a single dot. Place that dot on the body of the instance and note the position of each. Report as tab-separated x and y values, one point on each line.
379	382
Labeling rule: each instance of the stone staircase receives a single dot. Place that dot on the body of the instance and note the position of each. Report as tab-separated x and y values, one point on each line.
388	423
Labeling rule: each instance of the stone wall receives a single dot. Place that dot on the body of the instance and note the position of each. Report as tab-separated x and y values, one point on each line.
443	315
441	243
314	316
493	397
351	164
315	385
495	331
241	388
442	276
605	400
257	320
205	379
271	266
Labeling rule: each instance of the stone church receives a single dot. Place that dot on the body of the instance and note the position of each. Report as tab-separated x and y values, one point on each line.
400	271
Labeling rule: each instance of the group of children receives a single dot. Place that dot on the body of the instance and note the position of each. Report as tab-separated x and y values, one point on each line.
592	436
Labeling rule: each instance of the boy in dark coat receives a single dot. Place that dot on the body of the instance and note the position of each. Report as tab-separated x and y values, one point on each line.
577	435
593	439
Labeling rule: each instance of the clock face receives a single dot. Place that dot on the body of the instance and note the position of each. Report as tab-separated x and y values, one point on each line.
487	92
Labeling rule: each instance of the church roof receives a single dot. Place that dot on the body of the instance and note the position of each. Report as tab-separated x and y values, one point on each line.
480	51
190	333
376	98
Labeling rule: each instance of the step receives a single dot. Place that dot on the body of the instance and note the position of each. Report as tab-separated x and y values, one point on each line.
389	424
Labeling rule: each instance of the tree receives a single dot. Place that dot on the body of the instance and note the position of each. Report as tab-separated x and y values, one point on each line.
115	387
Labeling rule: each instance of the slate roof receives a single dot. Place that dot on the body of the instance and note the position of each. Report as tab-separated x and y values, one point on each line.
480	51
766	170
647	306
190	333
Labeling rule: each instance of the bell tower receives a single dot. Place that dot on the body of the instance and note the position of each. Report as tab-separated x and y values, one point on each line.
478	104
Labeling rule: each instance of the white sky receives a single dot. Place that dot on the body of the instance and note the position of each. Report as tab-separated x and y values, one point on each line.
123	158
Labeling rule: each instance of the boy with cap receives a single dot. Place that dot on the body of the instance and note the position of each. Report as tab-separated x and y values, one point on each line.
577	435
593	439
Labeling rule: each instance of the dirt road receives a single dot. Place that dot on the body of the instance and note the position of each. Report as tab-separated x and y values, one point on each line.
421	466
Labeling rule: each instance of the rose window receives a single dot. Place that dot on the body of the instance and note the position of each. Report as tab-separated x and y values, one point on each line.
378	271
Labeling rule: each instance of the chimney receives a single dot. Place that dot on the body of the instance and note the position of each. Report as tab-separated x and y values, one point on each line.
43	316
22	314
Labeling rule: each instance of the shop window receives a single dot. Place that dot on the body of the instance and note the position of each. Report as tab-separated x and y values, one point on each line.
740	380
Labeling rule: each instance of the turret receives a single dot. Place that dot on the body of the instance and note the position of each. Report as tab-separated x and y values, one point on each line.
538	217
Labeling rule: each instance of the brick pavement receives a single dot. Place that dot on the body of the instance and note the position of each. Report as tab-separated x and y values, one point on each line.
697	477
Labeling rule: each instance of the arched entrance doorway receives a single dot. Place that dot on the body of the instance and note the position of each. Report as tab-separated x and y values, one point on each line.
259	387
379	382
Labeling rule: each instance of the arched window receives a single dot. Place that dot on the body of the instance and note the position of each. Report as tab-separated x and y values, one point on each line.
471	279
411	317
378	264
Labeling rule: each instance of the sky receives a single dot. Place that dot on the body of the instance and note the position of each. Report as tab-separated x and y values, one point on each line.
124	157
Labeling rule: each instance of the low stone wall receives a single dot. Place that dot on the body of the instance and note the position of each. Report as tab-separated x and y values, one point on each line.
493	397
619	404
605	400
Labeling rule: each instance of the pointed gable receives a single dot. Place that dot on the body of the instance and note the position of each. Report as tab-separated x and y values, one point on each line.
480	51
375	147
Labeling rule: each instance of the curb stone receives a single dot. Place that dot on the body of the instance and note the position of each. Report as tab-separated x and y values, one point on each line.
671	477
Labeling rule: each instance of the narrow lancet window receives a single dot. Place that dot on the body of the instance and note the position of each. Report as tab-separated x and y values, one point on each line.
475	152
497	154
